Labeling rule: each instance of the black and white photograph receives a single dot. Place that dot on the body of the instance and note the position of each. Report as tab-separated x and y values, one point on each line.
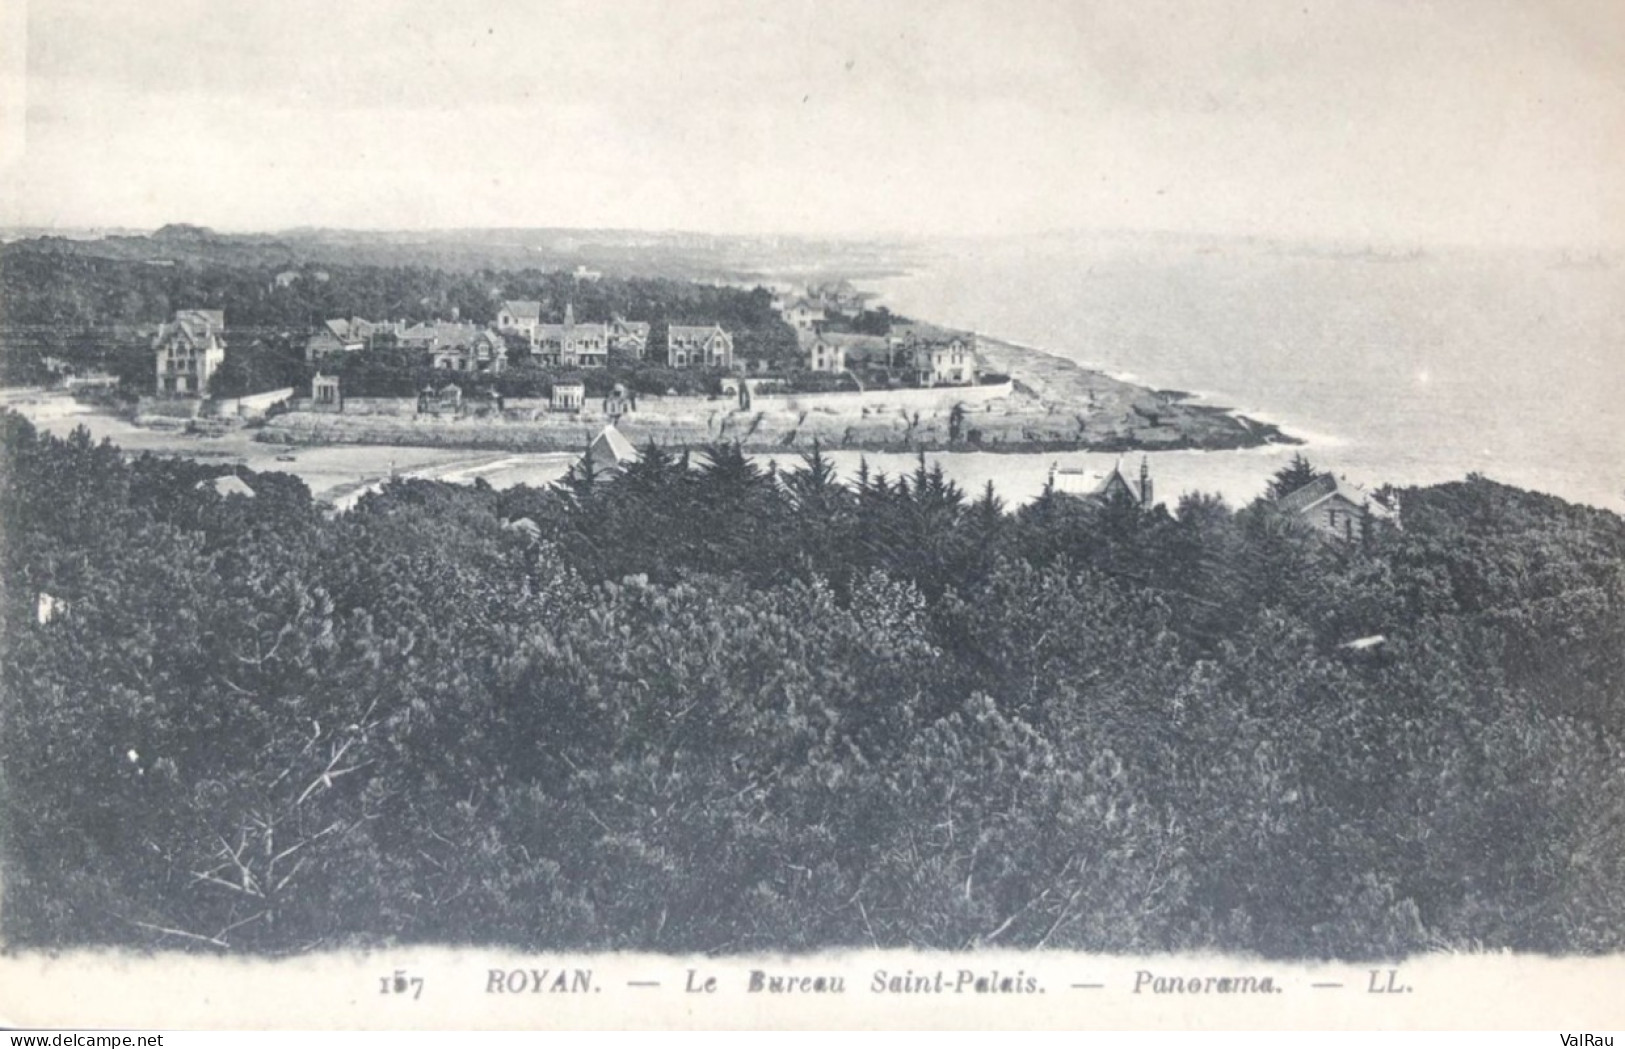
906	503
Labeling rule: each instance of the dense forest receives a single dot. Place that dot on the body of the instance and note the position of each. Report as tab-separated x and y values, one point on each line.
638	253
703	706
100	313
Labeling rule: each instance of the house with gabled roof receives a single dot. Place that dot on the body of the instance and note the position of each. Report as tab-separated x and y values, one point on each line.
341	335
458	346
520	317
835	352
227	485
629	337
826	355
1335	508
1102	487
484	351
1114	484
431	335
188	350
610	451
839	296
699	346
937	356
802	314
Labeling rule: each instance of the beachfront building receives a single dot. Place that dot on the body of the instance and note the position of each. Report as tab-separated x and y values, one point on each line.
825	354
619	402
1335	508
188	351
939	357
836	352
448	400
324	393
572	345
568	397
699	346
97	380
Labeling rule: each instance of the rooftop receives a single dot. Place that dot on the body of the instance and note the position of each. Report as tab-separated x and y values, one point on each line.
611	448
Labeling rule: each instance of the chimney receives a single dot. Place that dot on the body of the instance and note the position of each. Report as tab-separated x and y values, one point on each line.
1145	483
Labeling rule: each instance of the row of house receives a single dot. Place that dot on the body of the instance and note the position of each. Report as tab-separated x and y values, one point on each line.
810	309
343	335
576	344
927	355
466	347
567	396
192	346
457	346
568	343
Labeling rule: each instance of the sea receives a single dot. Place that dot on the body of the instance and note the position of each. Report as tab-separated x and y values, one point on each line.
1395	365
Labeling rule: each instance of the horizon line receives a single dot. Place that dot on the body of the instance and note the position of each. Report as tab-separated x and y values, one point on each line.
105	230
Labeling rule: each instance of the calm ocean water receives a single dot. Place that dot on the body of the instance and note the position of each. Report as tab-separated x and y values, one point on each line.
1399	367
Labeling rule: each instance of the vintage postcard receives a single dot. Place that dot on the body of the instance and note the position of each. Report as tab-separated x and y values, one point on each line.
725	513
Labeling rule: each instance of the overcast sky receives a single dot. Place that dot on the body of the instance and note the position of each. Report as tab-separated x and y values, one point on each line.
1444	121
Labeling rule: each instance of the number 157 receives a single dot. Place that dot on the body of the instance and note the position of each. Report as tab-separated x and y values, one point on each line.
400	983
